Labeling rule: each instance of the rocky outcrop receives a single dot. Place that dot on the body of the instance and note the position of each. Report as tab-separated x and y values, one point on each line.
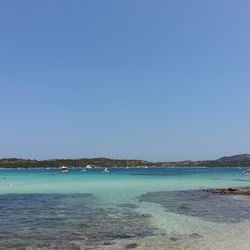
234	191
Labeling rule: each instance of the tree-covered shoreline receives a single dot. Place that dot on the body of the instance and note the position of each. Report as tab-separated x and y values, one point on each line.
231	161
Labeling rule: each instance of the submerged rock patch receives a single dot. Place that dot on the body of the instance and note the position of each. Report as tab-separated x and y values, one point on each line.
205	205
131	246
128	205
58	220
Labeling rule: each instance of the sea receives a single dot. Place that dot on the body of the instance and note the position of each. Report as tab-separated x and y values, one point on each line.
126	208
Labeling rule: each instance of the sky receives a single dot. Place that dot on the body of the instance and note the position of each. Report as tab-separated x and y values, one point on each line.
148	79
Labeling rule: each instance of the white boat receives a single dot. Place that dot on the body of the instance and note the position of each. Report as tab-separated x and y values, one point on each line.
88	167
246	172
106	170
63	169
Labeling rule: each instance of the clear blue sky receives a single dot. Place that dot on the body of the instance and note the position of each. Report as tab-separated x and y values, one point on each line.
155	80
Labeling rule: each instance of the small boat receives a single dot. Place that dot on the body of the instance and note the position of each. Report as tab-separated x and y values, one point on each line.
106	170
63	169
246	172
89	167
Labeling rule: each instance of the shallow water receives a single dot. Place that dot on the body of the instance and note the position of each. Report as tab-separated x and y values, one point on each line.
146	208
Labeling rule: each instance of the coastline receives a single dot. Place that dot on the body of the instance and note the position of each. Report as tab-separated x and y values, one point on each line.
122	167
231	161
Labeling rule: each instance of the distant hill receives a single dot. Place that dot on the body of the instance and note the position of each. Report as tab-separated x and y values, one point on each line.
98	162
242	160
242	157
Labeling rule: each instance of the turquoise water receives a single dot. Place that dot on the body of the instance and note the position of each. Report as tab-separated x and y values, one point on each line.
43	208
118	183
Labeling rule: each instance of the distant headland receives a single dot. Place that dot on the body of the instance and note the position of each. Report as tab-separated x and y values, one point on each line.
242	160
